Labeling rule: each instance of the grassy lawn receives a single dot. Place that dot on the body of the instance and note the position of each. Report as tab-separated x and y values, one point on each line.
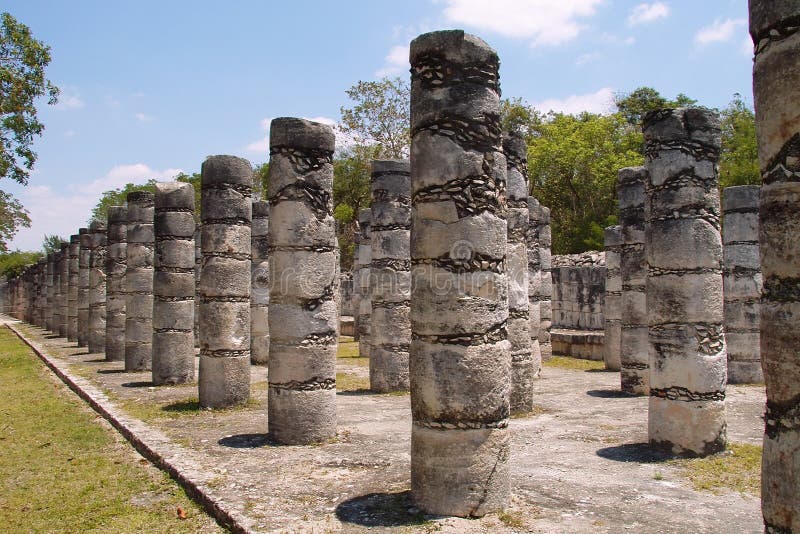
577	364
736	469
62	471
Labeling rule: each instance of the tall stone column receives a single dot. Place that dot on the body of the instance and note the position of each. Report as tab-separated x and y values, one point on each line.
259	295
41	292
73	276
634	344
198	267
364	280
612	307
84	253
390	296
139	281
63	302
460	354
116	260
534	278
776	88
546	287
50	324
742	283
683	248
96	338
173	284
56	293
226	190
525	367
304	258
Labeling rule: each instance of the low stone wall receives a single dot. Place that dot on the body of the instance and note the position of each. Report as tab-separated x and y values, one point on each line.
579	284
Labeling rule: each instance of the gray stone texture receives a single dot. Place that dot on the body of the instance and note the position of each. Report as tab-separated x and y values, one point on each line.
259	293
460	359
742	283
776	87
18	287
226	211
73	277
63	293
612	307
198	268
634	344
546	286
683	249
534	277
49	322
116	258
363	279
173	284
84	254
96	335
579	289
525	365
304	274
390	275
139	282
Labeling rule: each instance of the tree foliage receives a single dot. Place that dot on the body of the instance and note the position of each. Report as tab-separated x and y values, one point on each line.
12	217
22	80
380	116
52	243
12	264
117	197
633	106
738	164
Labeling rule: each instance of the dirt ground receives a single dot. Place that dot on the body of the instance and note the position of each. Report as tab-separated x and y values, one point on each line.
580	464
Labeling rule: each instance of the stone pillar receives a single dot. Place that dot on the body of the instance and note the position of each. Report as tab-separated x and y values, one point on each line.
63	302
116	259
49	322
683	249
776	89
41	292
534	278
83	287
139	282
198	264
525	366
96	338
546	287
259	293
742	283
363	281
73	277
460	354
173	284
56	293
225	282
634	344
612	307
390	295
303	318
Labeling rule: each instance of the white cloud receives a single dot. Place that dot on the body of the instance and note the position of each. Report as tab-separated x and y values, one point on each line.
719	31
396	62
588	58
616	40
70	133
598	102
261	145
648	13
143	118
544	21
122	174
747	46
72	101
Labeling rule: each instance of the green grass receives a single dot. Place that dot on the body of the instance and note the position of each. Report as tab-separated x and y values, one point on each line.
736	469
351	382
511	519
576	364
62	471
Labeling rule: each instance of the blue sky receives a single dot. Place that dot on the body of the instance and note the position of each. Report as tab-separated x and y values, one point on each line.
152	88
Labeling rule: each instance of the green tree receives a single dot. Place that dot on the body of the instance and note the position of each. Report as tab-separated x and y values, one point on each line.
22	80
738	164
381	116
52	243
12	217
520	117
635	104
351	192
14	263
117	197
260	180
572	166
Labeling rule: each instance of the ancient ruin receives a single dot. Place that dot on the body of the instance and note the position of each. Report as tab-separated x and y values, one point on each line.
84	255
612	305
363	281
224	377
683	249
534	278
96	322
116	260
259	293
742	283
776	88
139	282
390	273
73	277
546	288
63	291
173	284
634	344
460	357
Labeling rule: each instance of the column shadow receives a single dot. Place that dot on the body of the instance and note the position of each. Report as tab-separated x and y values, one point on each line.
246	441
380	510
634	452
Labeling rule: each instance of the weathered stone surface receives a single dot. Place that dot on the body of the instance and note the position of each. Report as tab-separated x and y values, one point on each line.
742	283
116	258
460	353
198	266
304	274
776	88
84	255
546	287
139	281
49	323
63	299
259	293
683	249
173	284
579	288
224	322
612	309
390	275
534	276
96	339
634	347
363	282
